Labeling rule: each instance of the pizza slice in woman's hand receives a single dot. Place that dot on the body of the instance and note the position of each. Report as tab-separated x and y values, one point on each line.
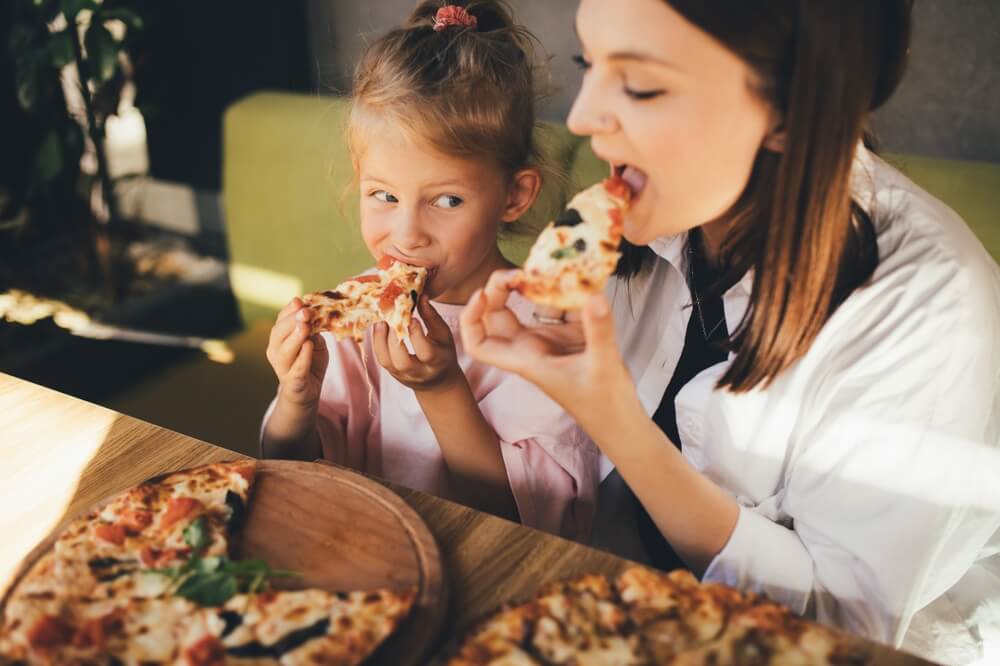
574	255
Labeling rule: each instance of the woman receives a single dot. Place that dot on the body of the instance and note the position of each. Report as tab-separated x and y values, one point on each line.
814	337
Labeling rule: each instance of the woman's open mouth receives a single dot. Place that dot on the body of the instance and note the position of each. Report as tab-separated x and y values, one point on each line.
635	179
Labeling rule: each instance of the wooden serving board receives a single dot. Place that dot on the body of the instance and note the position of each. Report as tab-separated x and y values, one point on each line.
341	531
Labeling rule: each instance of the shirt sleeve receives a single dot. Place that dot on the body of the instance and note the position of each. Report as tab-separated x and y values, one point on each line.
347	421
552	466
891	491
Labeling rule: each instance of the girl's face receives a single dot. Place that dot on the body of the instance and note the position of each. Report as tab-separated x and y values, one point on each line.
428	209
671	105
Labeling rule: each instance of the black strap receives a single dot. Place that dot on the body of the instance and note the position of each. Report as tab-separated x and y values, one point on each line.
698	354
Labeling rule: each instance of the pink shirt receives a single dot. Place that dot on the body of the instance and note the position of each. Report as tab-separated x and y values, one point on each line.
551	464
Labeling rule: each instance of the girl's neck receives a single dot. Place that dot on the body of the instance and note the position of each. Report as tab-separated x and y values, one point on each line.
459	294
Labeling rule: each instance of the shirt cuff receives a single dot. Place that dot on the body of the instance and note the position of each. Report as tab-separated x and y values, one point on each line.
767	558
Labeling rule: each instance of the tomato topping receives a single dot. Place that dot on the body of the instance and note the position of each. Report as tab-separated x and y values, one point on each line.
366	278
179	508
246	471
155	558
94	632
617	187
209	651
617	220
49	631
385	262
388	299
112	533
135	520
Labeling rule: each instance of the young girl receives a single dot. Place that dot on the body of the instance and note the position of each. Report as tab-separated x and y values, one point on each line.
796	372
441	136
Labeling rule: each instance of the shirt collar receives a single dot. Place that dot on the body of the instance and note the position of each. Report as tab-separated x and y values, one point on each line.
671	249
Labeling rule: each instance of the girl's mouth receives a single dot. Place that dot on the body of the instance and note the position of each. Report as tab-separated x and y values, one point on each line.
634	178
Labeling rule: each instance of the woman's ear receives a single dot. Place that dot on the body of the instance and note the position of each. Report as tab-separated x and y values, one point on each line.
776	135
521	194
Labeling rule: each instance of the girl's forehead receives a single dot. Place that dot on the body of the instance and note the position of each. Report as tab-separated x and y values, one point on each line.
398	158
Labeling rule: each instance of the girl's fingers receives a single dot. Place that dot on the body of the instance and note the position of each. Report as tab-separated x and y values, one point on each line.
422	346
398	353
288	350
437	328
300	366
380	344
283	327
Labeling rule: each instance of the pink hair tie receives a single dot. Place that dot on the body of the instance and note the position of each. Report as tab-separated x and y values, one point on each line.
450	15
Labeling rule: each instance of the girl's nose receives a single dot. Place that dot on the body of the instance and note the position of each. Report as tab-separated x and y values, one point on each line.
408	232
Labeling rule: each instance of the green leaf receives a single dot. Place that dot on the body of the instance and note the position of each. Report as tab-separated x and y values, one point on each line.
102	52
73	7
207	565
126	16
196	534
60	49
212	589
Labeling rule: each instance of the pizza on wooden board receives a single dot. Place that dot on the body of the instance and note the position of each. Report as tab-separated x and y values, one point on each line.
388	294
574	255
147	579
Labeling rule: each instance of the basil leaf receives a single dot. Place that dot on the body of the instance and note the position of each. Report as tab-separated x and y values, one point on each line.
208	589
196	534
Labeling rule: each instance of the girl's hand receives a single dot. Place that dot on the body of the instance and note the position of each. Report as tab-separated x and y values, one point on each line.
434	365
576	363
298	360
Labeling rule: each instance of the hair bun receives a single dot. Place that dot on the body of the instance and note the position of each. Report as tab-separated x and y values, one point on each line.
489	15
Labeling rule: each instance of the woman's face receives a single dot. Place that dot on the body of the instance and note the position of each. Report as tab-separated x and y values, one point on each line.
671	105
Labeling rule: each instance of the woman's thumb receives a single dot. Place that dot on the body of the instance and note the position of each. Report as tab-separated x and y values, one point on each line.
598	325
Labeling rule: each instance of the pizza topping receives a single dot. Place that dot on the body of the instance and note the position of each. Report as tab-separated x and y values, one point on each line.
232	620
135	521
206	652
385	262
568	218
93	633
332	294
237	511
179	508
570	251
113	533
366	278
388	299
288	643
49	631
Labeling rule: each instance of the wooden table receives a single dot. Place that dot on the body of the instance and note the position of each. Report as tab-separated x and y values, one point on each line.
59	454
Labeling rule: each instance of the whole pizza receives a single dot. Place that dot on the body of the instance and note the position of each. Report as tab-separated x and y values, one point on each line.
148	578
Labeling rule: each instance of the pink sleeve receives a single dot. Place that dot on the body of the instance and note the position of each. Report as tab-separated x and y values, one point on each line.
554	482
349	405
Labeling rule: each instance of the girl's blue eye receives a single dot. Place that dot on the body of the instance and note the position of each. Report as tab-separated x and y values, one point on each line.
448	201
384	197
581	62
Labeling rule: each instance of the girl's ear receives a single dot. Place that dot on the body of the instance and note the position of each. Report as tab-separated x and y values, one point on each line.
521	195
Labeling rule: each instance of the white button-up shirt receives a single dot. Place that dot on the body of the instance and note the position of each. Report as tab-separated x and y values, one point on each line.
867	473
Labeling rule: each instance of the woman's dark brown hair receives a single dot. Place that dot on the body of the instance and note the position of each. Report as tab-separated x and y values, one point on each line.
824	65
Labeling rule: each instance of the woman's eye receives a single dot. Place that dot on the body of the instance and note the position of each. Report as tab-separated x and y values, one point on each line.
448	201
641	95
384	196
581	62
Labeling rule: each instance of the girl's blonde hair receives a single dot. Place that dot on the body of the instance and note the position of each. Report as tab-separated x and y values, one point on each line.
467	92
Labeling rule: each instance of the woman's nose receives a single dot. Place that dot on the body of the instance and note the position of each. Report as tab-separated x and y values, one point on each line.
590	113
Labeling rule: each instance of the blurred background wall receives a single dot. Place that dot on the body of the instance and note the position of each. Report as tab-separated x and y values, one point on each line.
948	105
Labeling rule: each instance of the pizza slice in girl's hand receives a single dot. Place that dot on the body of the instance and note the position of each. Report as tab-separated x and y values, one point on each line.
574	255
350	308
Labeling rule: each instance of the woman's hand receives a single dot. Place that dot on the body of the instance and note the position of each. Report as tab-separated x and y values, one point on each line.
434	364
299	361
577	363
